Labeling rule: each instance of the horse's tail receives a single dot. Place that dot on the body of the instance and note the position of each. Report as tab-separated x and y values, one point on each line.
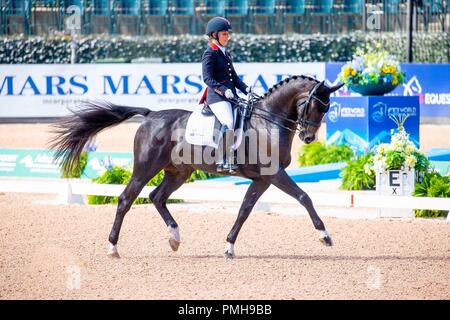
72	132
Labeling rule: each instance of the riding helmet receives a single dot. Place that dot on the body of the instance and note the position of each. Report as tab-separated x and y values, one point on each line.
217	24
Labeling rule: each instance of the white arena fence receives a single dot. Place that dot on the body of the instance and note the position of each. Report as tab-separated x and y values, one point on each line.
70	190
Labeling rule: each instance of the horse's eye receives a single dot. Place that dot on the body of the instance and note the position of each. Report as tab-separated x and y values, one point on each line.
324	109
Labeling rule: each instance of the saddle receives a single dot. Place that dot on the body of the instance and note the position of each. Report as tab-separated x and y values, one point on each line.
203	126
206	111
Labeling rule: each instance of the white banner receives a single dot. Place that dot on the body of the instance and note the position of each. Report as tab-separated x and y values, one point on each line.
48	90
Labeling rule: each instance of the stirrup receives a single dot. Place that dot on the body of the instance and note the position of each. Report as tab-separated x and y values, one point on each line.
220	167
231	167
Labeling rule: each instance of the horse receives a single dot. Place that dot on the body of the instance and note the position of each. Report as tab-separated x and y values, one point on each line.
297	103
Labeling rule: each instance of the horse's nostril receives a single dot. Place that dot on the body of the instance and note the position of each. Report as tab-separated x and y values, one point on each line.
309	139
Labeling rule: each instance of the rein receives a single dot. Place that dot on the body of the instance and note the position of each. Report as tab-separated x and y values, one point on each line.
299	124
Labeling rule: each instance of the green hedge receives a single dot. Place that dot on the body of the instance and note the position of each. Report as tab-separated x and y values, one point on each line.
433	185
356	175
319	153
119	175
428	47
78	170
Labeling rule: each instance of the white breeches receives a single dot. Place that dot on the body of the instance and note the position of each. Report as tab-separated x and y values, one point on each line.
223	112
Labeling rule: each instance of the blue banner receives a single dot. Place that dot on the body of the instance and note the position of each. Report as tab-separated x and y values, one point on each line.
364	122
430	82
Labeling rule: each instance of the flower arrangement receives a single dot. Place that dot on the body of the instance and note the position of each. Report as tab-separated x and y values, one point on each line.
399	154
372	67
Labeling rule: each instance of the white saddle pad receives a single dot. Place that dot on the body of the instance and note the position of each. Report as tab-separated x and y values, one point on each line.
200	130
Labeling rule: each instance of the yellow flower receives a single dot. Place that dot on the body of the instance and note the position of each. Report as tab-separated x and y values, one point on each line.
395	80
347	71
410	161
392	69
385	69
353	72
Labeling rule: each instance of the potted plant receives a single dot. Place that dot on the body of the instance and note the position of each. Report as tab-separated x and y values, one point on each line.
402	157
372	72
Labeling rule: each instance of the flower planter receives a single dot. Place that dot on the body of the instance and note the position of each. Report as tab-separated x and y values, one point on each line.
373	89
395	183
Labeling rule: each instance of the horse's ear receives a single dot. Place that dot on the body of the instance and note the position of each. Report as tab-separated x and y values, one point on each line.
335	88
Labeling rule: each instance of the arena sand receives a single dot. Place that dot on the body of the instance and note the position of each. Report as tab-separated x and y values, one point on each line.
59	251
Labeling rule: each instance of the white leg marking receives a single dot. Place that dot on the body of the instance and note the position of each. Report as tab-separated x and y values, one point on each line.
230	248
174	233
113	251
324	234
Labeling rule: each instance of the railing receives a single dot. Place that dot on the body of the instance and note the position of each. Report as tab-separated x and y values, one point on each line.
68	190
325	16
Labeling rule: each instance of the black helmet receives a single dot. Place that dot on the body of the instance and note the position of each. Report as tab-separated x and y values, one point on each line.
217	24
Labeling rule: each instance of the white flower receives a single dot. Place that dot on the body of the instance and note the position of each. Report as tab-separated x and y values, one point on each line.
378	157
410	161
380	165
398	145
368	169
410	148
358	63
382	148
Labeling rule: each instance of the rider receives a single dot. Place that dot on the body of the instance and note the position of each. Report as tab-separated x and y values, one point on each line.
222	81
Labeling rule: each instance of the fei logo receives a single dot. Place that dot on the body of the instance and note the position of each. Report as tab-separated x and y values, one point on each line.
335	111
379	111
413	88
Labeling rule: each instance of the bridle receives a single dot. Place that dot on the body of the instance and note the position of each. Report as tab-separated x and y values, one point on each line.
300	124
304	123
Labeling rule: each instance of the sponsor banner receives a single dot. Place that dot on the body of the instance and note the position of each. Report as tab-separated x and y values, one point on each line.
28	163
49	90
363	122
430	82
98	162
39	163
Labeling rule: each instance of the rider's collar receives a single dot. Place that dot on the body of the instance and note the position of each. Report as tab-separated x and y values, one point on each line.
216	47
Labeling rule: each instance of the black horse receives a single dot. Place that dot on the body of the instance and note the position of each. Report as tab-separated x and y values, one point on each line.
296	103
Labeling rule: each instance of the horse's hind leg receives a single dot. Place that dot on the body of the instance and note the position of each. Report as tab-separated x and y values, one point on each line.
173	179
142	173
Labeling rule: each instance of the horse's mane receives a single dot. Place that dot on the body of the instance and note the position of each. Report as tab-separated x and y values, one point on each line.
285	81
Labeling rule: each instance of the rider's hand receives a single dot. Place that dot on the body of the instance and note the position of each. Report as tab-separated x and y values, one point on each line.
229	94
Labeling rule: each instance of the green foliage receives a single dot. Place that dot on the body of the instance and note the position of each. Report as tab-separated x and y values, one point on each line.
422	163
432	185
201	175
318	153
119	175
357	174
78	170
395	159
428	47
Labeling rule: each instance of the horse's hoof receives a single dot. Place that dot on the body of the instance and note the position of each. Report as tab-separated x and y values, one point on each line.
229	255
326	241
174	244
113	254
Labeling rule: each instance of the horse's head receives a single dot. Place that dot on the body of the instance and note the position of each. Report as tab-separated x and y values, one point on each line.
311	108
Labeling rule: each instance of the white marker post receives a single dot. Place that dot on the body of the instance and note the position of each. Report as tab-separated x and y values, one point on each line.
395	183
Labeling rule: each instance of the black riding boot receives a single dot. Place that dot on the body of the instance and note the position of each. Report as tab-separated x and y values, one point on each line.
221	157
229	156
225	152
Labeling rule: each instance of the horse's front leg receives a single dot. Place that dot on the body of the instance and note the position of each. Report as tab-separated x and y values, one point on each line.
255	191
282	181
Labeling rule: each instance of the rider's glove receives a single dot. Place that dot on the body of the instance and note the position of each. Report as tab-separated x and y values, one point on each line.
229	94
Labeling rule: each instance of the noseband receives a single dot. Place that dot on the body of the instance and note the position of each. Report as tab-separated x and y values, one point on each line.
301	122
